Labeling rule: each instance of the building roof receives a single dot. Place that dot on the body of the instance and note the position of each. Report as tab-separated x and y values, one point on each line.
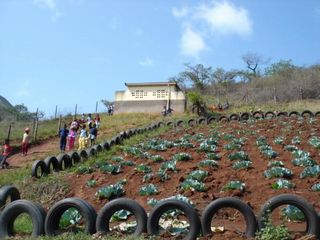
145	84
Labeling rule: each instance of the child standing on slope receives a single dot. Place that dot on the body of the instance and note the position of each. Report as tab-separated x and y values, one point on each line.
5	154
72	138
83	138
93	134
63	133
25	142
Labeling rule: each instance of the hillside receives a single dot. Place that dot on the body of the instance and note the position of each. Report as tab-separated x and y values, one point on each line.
7	111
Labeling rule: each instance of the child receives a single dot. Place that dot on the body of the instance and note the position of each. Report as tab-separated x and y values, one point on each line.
72	138
97	121
5	154
83	138
93	134
63	133
25	142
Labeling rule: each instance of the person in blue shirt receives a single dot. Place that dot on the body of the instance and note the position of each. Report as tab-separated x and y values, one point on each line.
63	133
93	134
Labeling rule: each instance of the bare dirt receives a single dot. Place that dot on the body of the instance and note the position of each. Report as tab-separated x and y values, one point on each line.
258	189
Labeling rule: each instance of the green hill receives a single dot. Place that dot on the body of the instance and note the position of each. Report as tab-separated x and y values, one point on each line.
7	111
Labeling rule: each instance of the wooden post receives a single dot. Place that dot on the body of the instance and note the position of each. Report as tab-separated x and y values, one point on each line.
56	111
301	93
96	107
274	95
9	132
59	124
36	130
34	124
75	112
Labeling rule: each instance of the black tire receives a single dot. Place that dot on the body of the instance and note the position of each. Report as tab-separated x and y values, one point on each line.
106	145
258	114
128	133
289	199
6	192
245	116
116	140
212	119
98	148
228	202
105	214
75	157
282	114
180	123
83	155
202	120
123	135
192	122
317	114
52	163
307	113
91	152
294	114
35	166
269	115
161	124
234	117
164	206
170	124
14	209
53	217
223	119
64	161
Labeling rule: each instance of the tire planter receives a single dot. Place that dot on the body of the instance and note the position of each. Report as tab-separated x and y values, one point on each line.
91	152
294	114
105	214
180	123
212	120
75	157
282	114
64	161
38	164
192	122
98	148
55	213
223	119
116	140
258	115
123	135
234	117
290	199
170	124
202	120
269	115
161	124
317	114
245	116
307	113
83	154
106	145
228	202
52	164
7	192
14	209
164	206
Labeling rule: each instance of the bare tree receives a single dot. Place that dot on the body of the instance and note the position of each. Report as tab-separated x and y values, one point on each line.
253	60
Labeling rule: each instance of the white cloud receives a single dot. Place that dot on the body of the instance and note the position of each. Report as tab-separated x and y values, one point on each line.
51	4
179	13
225	18
192	43
147	62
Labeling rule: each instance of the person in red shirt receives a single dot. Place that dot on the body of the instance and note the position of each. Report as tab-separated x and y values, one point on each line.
5	154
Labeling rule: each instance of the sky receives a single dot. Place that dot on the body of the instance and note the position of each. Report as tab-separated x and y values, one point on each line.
67	52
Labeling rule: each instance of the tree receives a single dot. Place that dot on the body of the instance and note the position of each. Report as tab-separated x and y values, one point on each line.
222	79
197	101
253	60
283	67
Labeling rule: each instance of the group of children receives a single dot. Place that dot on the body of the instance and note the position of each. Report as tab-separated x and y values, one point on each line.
7	149
68	137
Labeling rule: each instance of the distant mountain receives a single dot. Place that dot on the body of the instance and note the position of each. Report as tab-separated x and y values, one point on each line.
7	111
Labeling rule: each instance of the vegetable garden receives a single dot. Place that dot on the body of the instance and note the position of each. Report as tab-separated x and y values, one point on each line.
252	160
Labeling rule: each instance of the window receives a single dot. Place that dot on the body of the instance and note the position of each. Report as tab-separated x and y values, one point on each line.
161	93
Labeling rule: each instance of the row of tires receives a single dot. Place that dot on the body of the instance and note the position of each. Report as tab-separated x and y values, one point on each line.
67	160
242	117
48	222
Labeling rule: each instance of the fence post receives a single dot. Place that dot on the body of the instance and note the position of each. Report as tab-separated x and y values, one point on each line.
9	132
55	113
75	112
274	95
96	107
59	124
34	124
36	129
301	93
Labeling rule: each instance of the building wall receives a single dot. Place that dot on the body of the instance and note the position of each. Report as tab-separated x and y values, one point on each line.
150	93
152	106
